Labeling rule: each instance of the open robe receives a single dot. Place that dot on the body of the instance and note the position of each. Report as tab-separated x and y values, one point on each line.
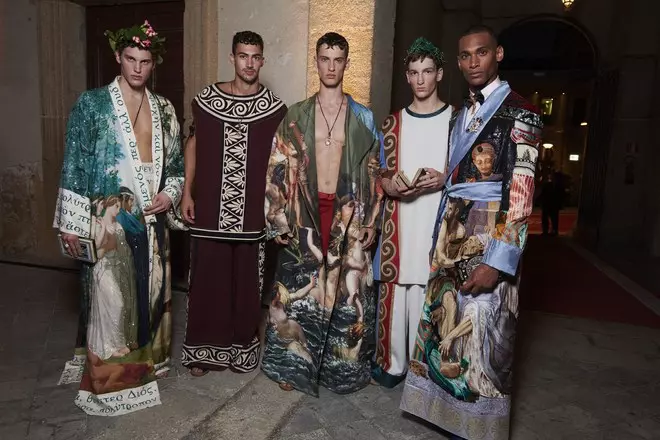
125	324
460	373
322	309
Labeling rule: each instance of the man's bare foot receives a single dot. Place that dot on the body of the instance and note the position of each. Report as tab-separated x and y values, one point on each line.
286	386
198	372
163	374
450	370
373	382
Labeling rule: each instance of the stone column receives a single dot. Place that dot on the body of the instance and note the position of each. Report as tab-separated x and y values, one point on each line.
383	59
283	24
369	28
200	27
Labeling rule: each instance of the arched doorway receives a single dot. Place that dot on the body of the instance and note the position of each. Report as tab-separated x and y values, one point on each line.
554	62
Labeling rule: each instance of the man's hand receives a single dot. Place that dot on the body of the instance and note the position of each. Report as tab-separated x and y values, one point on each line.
160	203
188	209
395	189
283	239
433	180
72	244
366	237
483	279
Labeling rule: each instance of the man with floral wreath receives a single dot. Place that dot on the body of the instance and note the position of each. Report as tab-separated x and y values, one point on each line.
121	179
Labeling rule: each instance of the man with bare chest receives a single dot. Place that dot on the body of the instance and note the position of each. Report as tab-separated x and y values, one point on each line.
322	212
122	177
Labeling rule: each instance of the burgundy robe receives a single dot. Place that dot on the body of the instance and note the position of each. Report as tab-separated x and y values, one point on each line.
234	135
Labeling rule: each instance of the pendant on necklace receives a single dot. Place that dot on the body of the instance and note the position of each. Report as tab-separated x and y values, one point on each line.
327	142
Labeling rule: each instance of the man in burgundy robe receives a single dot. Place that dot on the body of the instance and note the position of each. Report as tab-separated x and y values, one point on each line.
226	159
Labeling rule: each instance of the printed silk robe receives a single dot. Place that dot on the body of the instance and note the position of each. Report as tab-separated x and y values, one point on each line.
460	373
123	339
321	328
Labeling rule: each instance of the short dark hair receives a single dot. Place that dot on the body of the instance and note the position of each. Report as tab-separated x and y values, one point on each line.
480	29
333	39
421	57
246	37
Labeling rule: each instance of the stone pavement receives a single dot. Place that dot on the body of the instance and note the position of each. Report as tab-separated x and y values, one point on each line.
576	379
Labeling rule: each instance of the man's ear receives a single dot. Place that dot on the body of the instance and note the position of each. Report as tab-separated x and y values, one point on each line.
499	54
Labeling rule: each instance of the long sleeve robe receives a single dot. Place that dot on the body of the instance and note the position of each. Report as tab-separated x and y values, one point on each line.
125	324
463	356
322	310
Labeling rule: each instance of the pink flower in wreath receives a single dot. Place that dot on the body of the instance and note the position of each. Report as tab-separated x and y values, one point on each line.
146	43
136	39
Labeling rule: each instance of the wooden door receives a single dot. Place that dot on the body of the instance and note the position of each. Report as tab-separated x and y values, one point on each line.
167	80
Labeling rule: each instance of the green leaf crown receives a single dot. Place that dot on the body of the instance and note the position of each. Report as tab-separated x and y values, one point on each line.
423	48
141	36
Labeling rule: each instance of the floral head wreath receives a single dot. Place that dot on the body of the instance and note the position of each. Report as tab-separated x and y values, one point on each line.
141	36
423	48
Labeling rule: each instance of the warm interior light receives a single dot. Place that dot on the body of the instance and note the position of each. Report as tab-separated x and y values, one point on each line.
568	3
574	157
584	124
548	145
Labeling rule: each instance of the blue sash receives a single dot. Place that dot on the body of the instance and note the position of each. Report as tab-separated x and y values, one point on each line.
462	139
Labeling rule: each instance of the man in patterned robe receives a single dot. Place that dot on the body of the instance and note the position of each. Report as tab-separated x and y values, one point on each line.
122	173
322	204
226	157
460	373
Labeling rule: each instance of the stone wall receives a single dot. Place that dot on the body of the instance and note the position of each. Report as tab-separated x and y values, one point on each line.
42	74
630	210
20	144
283	24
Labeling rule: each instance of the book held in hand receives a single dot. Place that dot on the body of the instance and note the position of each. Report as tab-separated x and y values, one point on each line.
88	247
404	181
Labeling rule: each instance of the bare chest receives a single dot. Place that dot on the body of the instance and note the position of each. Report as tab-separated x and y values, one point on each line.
329	141
141	118
330	131
328	163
